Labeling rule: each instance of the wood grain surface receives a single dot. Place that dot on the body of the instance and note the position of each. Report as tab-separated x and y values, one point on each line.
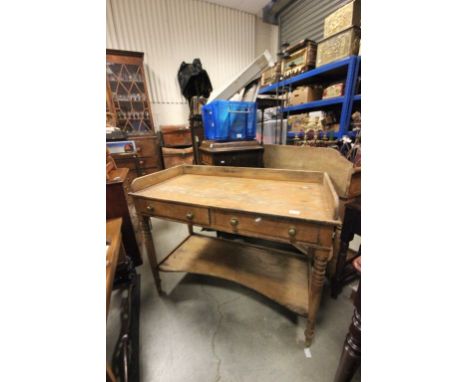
275	274
302	200
114	237
345	177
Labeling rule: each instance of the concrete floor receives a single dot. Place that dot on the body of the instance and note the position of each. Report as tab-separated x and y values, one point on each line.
210	330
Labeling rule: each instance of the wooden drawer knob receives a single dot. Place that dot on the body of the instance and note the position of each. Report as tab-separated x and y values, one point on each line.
149	208
234	222
292	232
189	215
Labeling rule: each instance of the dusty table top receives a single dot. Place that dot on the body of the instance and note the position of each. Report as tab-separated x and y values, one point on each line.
293	199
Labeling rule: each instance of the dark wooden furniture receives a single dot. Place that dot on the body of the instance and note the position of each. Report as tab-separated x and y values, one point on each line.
177	145
114	251
177	156
298	207
351	354
198	135
129	103
146	159
127	92
238	153
117	207
345	272
176	136
120	272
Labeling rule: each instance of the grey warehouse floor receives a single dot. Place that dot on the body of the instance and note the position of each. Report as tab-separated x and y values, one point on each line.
210	330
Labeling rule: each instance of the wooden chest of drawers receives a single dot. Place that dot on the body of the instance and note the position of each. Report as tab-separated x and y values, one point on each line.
174	157
146	160
176	136
238	154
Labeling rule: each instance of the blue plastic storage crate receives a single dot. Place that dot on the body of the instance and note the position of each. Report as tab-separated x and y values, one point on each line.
229	120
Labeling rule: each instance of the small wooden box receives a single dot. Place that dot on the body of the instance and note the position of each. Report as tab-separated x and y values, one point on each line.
301	58
176	136
341	45
238	153
271	75
173	157
347	16
304	94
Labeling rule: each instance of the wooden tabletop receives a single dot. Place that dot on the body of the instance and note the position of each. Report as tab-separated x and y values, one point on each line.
118	175
309	199
114	239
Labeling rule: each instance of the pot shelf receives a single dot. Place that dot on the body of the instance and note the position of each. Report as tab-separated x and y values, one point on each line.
278	275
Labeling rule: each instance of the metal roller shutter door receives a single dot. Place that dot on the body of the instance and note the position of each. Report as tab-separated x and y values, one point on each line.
304	19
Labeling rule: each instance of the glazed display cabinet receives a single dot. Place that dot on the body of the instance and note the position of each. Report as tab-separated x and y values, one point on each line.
127	92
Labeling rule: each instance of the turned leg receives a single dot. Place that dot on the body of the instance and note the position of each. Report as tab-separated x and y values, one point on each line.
316	279
150	251
331	267
351	355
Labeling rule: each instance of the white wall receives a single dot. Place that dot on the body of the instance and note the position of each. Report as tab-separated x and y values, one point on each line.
266	37
172	31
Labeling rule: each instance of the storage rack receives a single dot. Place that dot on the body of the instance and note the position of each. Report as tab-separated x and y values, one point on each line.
356	99
346	68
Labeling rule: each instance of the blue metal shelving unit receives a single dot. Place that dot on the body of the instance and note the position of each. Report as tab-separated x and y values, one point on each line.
346	68
356	98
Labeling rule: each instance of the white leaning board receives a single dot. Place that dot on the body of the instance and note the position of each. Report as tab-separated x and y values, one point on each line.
247	75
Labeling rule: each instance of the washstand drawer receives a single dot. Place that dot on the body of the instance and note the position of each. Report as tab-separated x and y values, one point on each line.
258	225
180	212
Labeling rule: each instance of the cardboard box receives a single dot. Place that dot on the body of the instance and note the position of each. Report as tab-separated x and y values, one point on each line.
300	122
304	94
335	90
347	16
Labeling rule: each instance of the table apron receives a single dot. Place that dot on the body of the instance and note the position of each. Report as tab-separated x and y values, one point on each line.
280	229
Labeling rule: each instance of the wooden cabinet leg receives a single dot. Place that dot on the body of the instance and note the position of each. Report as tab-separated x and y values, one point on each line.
316	279
351	355
150	251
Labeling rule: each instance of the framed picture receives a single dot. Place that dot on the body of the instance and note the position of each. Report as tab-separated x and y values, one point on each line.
121	147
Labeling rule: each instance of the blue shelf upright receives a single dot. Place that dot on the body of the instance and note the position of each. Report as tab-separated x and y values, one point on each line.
344	69
355	98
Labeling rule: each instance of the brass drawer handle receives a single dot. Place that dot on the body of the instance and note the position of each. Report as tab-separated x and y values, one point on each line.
150	208
234	222
189	215
292	232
